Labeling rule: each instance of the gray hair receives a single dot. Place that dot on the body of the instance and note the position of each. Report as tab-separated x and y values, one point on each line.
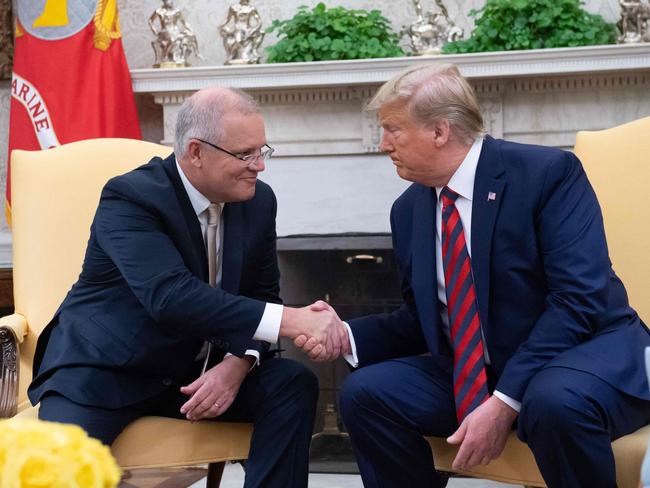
431	93
200	115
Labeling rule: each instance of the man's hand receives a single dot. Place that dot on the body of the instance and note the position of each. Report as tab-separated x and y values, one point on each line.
313	348
320	325
483	434
214	391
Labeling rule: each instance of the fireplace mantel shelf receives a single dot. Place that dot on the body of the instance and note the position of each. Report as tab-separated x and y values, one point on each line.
512	64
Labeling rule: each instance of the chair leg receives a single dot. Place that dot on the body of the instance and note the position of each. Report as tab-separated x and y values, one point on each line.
215	471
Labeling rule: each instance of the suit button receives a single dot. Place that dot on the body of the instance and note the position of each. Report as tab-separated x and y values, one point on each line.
167	381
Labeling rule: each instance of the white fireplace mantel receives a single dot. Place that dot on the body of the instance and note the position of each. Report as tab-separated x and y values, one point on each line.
328	175
531	63
336	90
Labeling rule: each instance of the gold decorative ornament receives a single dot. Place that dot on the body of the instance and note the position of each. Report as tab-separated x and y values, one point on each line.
634	21
432	30
175	41
242	34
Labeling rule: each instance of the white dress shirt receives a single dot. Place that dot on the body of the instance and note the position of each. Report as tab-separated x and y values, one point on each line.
269	327
462	182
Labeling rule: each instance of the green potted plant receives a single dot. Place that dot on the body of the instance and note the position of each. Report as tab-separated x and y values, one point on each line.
504	25
323	34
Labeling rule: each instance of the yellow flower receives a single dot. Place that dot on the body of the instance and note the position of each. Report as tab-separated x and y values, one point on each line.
37	454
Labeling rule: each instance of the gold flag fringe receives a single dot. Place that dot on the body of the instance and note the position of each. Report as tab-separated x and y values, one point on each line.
107	24
18	31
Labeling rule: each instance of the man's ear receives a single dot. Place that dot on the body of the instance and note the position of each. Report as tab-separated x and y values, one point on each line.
194	153
440	132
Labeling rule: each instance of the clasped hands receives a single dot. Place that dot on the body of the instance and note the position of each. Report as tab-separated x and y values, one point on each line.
317	330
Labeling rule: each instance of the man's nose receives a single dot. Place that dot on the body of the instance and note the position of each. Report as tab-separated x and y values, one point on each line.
385	145
258	165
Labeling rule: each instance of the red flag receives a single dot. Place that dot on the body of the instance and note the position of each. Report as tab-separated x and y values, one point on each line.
70	78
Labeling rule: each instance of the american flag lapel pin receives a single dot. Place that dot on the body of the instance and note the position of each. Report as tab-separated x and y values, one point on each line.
491	196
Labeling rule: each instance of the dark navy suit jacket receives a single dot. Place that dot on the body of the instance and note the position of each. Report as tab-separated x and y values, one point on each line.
137	317
546	291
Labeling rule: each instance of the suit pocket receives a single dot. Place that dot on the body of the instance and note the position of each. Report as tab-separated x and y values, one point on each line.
107	342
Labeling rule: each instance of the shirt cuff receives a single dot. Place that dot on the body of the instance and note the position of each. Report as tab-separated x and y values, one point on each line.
249	352
268	329
352	359
511	402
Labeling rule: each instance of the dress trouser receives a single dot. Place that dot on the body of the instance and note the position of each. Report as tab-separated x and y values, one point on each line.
568	419
279	397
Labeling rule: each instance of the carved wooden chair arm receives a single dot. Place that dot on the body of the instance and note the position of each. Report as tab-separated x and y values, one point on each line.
12	331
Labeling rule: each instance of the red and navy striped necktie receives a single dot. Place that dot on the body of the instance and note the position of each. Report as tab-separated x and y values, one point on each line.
470	380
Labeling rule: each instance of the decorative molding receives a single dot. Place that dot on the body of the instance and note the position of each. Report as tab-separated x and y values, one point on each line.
307	92
490	88
371	132
580	83
171	98
512	64
492	109
6	39
490	94
297	96
312	95
170	111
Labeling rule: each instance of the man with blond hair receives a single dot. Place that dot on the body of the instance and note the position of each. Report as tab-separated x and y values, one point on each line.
513	316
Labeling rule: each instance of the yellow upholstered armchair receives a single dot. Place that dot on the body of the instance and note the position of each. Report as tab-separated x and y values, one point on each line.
54	197
617	162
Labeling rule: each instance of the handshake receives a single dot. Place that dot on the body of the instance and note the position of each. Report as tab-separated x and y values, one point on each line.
317	330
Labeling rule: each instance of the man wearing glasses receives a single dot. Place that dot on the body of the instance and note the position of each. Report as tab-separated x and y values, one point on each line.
178	300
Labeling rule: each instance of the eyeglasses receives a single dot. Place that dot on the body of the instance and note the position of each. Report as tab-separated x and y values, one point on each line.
265	153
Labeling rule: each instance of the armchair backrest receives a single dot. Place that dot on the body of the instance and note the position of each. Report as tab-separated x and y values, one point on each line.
54	196
617	162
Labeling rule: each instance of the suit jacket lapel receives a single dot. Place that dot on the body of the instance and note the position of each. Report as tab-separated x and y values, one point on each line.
233	247
196	257
424	266
489	187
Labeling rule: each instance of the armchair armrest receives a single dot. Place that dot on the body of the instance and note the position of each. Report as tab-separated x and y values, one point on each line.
13	329
16	323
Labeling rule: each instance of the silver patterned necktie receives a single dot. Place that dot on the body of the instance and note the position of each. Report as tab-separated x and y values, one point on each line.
214	212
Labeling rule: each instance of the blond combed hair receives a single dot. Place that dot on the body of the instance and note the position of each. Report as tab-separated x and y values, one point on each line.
431	93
